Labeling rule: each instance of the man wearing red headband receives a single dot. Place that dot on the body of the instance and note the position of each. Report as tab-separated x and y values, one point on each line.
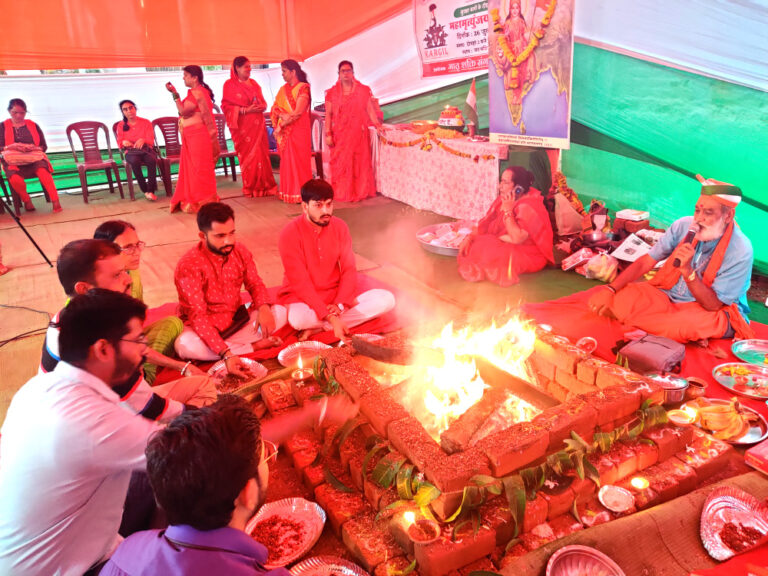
701	290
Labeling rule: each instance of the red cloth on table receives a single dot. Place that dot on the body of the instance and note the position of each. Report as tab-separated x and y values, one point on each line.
197	169
293	141
501	262
249	135
142	130
319	264
209	290
351	168
570	316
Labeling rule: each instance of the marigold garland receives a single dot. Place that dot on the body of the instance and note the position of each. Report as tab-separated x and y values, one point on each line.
428	140
537	35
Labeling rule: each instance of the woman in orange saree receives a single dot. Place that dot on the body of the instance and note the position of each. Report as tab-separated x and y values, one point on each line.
290	118
513	238
244	106
349	111
199	145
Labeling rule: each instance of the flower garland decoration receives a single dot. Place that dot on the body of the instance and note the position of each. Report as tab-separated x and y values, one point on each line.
428	140
538	34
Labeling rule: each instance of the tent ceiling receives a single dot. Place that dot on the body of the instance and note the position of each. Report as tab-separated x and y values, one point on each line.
60	34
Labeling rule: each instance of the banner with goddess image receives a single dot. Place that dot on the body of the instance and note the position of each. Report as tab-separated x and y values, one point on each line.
452	35
530	61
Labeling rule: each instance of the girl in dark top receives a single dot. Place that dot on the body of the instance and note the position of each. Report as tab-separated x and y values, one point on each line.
21	136
136	137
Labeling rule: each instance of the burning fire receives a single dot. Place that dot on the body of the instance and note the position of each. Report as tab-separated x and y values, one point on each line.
451	389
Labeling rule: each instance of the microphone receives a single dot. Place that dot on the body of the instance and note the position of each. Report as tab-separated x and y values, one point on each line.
692	231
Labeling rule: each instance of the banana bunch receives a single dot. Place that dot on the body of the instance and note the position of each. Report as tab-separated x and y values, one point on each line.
725	421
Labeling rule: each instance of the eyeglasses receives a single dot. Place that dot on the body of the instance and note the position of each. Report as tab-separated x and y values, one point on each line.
133	248
268	451
140	340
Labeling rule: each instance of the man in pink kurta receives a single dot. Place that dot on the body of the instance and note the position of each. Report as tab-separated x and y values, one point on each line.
209	279
320	285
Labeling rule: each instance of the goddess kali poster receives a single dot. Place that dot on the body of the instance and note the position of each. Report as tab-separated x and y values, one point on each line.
529	77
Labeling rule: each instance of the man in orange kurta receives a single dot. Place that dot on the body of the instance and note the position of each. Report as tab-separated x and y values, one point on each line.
700	292
320	286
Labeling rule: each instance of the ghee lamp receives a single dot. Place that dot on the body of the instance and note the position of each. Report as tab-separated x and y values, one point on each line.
301	374
683	417
639	483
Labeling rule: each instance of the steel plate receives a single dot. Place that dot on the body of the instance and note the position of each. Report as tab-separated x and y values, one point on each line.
729	504
443	250
289	356
578	560
219	371
327	566
756	433
750	381
751	351
310	514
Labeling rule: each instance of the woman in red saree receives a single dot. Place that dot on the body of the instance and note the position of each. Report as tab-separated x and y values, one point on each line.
290	118
513	238
349	111
199	144
244	105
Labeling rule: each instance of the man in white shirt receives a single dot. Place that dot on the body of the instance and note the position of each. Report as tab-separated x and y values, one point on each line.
68	446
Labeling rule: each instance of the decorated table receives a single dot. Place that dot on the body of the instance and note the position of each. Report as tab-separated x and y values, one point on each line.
449	176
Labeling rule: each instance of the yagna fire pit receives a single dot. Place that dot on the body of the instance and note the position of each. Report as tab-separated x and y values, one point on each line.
503	435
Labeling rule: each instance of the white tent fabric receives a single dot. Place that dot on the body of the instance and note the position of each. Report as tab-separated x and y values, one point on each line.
725	39
720	38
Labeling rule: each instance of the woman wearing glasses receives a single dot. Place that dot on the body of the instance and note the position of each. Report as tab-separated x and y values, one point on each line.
136	138
162	333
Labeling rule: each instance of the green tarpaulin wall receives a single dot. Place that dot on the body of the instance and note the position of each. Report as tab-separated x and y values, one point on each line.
641	132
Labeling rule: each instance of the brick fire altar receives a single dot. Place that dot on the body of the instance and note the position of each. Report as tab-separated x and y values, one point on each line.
500	483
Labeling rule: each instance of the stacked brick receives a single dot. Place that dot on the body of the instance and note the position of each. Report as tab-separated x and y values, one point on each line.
595	397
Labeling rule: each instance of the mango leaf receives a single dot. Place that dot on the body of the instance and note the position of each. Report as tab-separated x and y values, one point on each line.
514	489
318	370
385	471
464	499
575	509
394	505
559	462
426	511
475	523
577	458
404	482
583	443
646	441
371	453
372	440
457	527
655	415
347	428
592	472
407	570
488	483
426	493
604	441
635	431
335	482
533	478
646	404
511	544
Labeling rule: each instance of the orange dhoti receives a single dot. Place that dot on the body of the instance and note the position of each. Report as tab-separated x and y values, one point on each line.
650	309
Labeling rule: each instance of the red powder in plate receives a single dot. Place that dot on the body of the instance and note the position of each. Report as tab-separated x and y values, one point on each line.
282	537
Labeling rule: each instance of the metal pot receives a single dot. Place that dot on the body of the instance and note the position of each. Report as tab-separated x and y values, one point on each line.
674	392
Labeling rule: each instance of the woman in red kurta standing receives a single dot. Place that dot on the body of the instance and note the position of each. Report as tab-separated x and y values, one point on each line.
349	111
290	118
199	144
244	106
513	238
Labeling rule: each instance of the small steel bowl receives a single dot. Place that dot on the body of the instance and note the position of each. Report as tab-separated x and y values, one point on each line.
596	238
696	388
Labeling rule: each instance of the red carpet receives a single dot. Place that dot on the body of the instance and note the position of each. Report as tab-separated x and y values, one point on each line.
381	325
570	317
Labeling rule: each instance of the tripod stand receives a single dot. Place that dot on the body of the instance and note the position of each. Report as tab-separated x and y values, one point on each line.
9	208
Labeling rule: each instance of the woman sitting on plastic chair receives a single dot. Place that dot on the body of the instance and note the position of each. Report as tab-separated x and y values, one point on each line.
136	137
23	145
